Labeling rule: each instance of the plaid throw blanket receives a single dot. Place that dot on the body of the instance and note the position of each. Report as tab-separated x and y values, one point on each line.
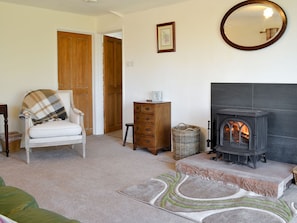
43	105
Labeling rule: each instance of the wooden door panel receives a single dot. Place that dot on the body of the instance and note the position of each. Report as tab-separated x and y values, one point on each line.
112	84
64	56
82	63
113	118
75	71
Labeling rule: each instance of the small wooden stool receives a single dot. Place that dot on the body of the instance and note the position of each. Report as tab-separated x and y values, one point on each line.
127	128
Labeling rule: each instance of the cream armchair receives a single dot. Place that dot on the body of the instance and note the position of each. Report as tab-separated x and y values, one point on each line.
59	132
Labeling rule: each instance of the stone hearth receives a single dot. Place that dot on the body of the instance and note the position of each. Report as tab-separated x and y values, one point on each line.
268	179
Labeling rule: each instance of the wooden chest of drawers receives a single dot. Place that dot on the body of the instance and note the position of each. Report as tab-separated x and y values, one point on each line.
152	125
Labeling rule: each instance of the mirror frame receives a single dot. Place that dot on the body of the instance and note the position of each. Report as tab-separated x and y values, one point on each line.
250	2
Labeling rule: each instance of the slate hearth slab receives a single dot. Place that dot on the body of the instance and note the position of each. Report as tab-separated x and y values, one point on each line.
269	179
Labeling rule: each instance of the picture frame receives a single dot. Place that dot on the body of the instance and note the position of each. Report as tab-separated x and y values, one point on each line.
166	37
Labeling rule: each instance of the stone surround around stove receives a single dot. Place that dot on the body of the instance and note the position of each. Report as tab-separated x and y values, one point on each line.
268	179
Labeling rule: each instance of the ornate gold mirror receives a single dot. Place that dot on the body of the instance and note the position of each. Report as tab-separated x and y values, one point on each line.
253	24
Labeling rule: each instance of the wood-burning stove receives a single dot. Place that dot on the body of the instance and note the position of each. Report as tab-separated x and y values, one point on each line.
241	135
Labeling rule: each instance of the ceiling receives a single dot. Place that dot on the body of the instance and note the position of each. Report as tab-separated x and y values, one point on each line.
96	7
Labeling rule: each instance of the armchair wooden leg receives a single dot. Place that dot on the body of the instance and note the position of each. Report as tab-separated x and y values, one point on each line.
84	150
28	155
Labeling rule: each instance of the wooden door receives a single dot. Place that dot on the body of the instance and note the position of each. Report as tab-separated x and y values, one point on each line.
75	71
112	84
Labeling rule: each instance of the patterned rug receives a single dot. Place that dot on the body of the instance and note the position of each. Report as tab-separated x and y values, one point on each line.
203	200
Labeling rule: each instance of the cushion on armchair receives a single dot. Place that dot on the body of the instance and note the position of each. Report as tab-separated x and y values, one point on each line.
55	129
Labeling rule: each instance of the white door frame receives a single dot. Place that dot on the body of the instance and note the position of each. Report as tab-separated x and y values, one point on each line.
98	102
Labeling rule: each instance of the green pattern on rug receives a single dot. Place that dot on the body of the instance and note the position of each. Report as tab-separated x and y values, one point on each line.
189	196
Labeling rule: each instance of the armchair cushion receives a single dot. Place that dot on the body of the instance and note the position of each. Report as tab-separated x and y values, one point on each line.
55	129
43	105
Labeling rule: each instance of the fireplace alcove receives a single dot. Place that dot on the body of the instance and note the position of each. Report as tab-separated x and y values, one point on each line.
278	100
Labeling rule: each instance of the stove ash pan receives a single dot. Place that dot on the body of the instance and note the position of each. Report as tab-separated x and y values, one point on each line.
241	136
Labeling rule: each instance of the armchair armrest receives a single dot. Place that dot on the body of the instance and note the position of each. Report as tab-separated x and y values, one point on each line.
28	119
28	124
76	116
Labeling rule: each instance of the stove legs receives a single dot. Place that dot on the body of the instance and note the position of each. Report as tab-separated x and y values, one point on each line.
249	160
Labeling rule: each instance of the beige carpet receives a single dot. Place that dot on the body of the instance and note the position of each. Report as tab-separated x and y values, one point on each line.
86	189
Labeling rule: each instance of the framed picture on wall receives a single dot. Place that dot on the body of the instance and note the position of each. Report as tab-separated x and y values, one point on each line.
166	37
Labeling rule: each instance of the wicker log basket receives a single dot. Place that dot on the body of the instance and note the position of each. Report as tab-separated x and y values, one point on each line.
186	140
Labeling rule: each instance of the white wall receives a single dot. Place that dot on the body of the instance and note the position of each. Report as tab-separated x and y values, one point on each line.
201	57
28	56
105	24
28	51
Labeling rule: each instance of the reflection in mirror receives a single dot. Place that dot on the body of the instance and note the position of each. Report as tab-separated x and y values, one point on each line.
253	24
